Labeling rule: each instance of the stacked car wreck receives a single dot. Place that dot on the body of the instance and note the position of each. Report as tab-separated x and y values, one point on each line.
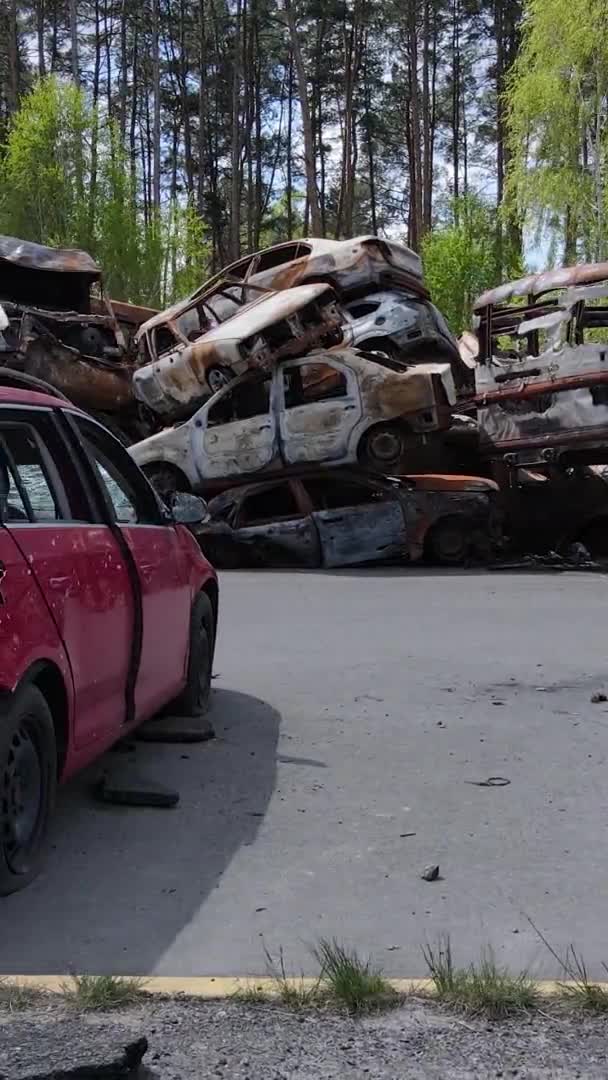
539	354
314	353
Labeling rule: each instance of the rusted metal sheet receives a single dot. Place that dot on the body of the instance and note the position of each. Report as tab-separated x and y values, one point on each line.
31	256
94	386
536	284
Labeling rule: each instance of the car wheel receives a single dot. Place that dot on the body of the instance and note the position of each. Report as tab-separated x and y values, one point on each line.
448	542
218	376
383	447
28	783
194	699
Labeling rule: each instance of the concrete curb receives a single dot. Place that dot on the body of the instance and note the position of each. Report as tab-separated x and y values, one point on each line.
222	987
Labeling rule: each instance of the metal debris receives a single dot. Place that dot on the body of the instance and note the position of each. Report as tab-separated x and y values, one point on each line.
492	781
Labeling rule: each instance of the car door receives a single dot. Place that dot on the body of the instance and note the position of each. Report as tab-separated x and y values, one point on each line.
357	522
235	433
273	527
77	563
319	406
159	561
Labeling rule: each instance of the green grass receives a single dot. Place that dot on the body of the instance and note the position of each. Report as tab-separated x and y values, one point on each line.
296	993
479	989
579	990
101	993
13	997
351	981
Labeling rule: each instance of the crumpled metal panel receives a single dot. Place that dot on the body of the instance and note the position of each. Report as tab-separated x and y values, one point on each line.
39	257
536	284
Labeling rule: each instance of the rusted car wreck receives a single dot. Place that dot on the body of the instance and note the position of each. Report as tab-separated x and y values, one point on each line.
62	327
345	517
334	407
540	358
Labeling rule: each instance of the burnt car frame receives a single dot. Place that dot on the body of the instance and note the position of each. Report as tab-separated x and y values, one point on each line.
540	357
69	336
338	407
189	352
333	518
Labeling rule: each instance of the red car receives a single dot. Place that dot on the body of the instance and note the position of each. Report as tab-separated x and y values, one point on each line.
108	609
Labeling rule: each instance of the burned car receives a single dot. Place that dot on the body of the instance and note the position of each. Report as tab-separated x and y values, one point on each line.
335	407
540	355
194	348
62	328
405	325
346	518
381	284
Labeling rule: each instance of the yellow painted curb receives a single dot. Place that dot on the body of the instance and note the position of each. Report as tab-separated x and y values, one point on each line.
222	987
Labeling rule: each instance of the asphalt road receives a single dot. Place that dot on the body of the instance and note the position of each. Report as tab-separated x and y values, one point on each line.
354	709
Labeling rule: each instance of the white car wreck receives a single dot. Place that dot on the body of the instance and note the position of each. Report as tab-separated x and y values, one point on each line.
335	407
191	350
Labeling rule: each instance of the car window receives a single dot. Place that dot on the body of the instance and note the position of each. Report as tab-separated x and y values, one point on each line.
308	383
126	492
27	490
250	398
165	340
275	503
283	254
193	323
330	494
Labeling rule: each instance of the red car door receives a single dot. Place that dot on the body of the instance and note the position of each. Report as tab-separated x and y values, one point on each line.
78	565
159	560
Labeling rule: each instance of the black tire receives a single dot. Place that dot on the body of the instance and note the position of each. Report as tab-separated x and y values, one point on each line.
448	542
28	785
218	377
194	699
383	447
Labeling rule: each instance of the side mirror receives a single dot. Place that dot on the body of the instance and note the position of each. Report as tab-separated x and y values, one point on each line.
188	509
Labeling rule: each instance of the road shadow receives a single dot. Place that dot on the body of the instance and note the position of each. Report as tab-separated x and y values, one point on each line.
123	882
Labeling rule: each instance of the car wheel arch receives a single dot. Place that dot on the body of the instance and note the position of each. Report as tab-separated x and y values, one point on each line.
46	676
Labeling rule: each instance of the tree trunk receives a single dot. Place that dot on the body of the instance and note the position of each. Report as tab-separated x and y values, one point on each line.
12	90
74	41
316	224
289	178
235	154
156	92
40	37
415	224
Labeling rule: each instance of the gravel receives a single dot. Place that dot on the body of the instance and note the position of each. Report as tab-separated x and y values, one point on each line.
267	1042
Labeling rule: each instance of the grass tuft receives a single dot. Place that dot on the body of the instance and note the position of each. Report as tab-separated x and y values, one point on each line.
14	998
101	993
480	989
351	981
293	992
580	990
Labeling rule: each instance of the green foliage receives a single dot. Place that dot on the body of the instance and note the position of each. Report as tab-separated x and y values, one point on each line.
66	180
557	99
461	258
43	170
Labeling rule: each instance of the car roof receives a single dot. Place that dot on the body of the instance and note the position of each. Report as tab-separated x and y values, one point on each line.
9	395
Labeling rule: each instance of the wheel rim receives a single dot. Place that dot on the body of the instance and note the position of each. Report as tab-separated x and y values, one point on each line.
386	446
22	796
217	379
449	544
